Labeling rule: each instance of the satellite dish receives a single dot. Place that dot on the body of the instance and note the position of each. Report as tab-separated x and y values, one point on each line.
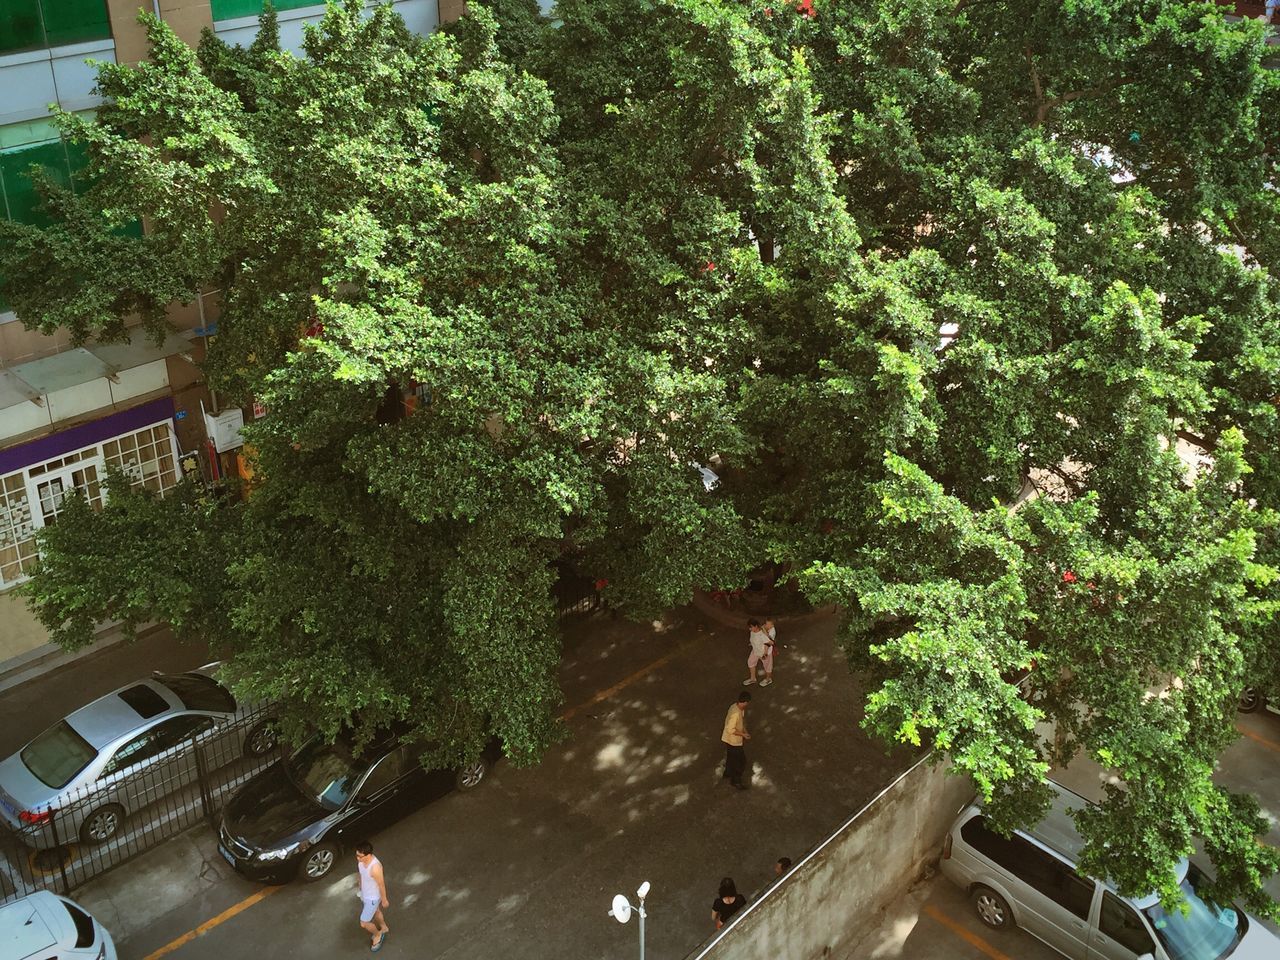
621	909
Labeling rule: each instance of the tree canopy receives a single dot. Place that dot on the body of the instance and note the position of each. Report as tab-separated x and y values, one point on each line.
942	286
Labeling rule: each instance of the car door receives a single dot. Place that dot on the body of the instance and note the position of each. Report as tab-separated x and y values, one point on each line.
373	805
1120	934
1056	900
154	762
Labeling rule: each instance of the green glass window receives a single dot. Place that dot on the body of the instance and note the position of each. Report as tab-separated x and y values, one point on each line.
18	198
75	21
20	26
34	24
231	9
22	203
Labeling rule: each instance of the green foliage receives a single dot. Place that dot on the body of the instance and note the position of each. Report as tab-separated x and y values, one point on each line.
942	289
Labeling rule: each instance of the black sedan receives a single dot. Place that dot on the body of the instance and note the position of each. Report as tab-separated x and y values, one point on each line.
297	816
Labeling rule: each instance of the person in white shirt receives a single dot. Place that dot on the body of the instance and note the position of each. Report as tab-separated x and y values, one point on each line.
373	894
763	638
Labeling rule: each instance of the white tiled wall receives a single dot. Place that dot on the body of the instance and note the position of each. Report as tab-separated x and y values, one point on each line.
33	79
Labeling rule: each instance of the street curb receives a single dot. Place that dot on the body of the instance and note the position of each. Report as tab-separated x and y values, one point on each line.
739	618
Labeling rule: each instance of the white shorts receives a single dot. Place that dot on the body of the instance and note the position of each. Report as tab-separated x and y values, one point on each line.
370	908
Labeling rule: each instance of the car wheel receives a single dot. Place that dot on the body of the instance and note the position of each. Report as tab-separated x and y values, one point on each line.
992	909
318	861
102	824
470	776
262	739
1250	700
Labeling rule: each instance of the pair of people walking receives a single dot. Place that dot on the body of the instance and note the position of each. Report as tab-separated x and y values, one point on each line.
763	638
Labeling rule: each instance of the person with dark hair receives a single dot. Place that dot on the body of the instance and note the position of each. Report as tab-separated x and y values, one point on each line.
729	902
373	894
733	737
781	867
763	638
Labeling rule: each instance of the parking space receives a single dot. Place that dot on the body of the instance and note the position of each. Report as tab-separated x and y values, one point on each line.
935	921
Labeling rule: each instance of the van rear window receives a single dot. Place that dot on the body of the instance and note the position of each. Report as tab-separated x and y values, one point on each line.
1005	851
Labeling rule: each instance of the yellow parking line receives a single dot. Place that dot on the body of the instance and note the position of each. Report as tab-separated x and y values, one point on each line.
960	931
208	925
623	683
265	892
1269	744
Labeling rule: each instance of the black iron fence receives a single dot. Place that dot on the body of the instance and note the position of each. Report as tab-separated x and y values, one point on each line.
576	593
94	828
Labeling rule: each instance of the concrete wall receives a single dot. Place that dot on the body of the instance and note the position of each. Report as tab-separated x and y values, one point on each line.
829	900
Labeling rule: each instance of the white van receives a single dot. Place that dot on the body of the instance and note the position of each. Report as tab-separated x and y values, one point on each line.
1030	880
45	925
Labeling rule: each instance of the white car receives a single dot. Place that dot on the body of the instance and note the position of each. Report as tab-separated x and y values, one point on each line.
45	925
1030	880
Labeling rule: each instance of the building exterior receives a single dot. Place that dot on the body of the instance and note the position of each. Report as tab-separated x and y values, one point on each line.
67	413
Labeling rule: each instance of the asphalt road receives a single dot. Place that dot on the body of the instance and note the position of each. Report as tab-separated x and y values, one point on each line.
935	921
527	864
29	708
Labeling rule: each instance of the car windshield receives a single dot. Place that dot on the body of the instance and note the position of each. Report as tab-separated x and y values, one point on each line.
1206	931
325	771
198	692
57	755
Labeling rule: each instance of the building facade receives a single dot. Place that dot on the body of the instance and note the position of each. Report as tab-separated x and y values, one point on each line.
68	413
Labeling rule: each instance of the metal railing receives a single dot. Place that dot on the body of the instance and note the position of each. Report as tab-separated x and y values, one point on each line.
102	826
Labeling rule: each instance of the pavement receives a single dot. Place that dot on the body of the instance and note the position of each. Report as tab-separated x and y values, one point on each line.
934	920
532	858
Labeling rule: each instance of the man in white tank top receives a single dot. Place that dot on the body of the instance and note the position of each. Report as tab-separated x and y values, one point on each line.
373	894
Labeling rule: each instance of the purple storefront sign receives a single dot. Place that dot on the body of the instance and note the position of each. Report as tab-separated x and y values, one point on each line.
85	435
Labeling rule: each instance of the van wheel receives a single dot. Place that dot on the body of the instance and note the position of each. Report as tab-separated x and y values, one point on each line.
992	909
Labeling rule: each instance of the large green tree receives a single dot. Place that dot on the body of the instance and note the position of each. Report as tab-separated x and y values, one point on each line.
943	285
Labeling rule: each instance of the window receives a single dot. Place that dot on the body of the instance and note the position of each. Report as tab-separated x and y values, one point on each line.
1121	924
35	24
198	692
57	755
134	751
1038	868
146	457
17	530
144	701
33	497
61	159
388	770
232	9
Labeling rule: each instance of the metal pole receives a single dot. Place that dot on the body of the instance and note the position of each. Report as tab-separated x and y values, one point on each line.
642	930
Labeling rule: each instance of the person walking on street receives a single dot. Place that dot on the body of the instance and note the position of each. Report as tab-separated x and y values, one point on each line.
729	902
763	638
373	894
734	736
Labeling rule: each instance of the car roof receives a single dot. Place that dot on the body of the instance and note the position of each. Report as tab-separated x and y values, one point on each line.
1057	830
134	707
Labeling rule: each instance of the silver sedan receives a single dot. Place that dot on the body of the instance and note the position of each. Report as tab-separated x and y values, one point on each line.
80	778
